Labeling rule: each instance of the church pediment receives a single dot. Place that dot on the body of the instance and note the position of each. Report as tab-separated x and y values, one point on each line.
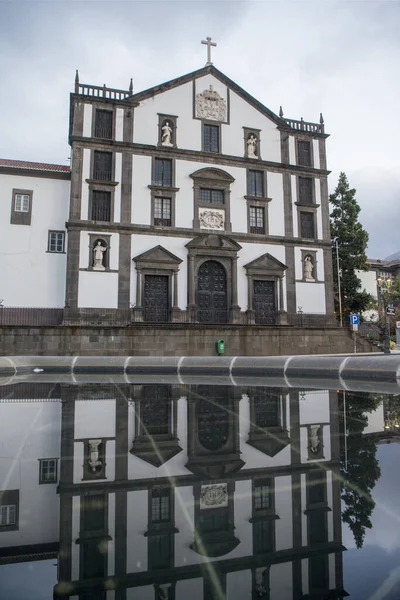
266	263
212	174
214	241
157	255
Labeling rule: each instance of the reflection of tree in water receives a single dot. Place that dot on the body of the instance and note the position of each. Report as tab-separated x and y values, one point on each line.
362	472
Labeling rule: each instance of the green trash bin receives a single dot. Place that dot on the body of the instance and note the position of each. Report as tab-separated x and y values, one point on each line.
220	344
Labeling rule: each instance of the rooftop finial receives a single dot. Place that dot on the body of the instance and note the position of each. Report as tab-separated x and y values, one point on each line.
76	82
131	87
321	119
281	112
208	43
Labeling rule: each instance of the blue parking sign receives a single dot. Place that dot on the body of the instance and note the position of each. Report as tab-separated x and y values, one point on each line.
354	319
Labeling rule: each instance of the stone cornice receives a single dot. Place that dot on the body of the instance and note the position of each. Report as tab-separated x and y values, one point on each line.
195	156
169	232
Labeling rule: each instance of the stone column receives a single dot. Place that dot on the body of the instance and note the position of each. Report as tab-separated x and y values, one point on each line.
192	308
175	308
282	314
235	308
138	310
250	311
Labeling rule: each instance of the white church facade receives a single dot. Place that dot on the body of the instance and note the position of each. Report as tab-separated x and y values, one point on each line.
190	202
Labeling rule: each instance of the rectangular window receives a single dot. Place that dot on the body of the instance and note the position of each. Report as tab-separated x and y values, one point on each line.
160	505
102	166
263	532
256	184
307	229
101	206
8	515
162	211
211	138
257	219
304	153
263	495
48	470
305	190
103	127
208	196
316	487
163	172
21	203
56	241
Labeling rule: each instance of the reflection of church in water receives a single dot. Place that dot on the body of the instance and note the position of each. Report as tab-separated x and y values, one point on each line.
208	492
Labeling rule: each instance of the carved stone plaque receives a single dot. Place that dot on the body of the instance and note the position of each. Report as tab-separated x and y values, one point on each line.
211	219
210	105
214	495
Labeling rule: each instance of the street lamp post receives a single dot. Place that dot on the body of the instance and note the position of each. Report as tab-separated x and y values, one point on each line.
384	295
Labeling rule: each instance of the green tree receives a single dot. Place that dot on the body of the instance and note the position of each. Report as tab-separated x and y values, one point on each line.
352	242
361	471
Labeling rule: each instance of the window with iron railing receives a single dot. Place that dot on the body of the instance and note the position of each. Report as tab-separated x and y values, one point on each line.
210	196
162	212
255	184
163	172
103	125
257	219
305	190
304	153
102	165
101	206
307	225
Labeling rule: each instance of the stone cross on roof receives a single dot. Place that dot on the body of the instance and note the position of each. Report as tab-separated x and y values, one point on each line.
208	43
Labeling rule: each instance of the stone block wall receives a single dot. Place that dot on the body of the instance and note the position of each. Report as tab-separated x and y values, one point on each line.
175	340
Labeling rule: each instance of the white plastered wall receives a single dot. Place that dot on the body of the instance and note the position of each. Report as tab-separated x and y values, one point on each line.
283	508
87	120
276	214
98	289
29	432
136	542
119	124
315	144
141	195
175	102
29	275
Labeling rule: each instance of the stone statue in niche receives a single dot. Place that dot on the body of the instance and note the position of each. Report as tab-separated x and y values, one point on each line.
308	268
314	441
252	146
166	134
94	461
260	587
98	255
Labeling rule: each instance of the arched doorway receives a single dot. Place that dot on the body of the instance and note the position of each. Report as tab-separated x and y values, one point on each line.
212	298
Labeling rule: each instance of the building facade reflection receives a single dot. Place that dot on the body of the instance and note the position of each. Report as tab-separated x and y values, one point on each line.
207	492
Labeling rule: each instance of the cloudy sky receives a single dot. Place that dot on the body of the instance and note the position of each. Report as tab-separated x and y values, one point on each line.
338	58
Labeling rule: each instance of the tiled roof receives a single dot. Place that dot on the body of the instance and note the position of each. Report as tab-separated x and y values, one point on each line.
33	166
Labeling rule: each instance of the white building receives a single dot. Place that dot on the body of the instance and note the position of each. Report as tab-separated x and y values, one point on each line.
190	201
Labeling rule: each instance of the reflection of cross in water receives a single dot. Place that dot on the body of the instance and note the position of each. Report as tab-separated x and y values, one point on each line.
208	43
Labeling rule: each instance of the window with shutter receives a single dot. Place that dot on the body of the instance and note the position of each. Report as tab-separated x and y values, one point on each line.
304	153
103	127
307	227
101	206
163	172
102	166
305	190
211	138
255	184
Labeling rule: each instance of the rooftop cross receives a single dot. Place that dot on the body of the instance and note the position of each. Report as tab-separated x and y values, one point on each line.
208	43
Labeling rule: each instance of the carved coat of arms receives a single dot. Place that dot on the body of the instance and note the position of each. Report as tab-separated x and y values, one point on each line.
210	105
210	219
214	495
